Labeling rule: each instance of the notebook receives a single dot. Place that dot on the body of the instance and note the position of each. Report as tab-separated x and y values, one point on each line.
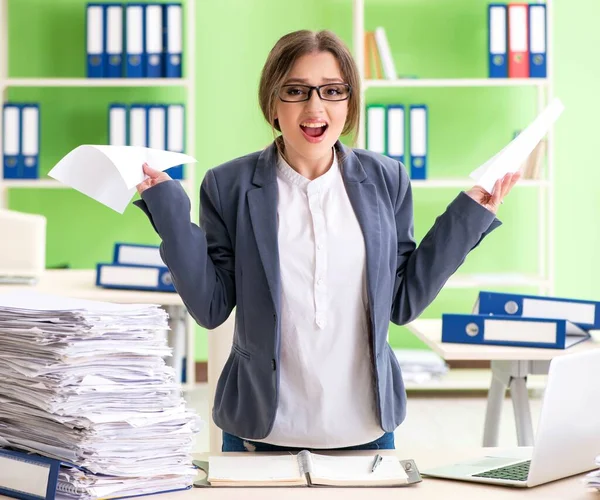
306	469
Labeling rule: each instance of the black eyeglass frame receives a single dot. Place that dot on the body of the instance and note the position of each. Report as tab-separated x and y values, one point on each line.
318	89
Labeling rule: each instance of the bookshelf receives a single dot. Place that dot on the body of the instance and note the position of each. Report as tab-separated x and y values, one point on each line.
543	279
187	83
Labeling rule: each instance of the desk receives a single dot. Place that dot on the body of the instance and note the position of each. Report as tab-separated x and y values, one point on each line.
510	367
81	284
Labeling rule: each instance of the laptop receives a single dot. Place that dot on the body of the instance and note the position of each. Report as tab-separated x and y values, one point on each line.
568	434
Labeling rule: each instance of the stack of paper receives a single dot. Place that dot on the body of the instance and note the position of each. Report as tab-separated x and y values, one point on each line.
592	479
86	383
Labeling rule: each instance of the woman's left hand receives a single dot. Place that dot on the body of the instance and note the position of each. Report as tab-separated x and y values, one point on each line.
501	189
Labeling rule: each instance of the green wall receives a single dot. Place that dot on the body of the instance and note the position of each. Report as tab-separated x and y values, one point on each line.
429	39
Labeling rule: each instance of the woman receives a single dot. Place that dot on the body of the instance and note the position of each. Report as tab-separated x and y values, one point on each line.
312	242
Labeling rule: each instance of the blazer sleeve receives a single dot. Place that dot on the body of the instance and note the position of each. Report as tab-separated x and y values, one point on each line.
422	271
200	258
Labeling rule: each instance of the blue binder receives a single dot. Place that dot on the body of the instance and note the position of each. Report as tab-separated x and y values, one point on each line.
96	36
134	277
33	464
118	127
510	331
537	41
113	20
11	126
173	30
584	313
497	40
137	254
138	125
153	41
396	131
418	140
135	40
176	136
30	140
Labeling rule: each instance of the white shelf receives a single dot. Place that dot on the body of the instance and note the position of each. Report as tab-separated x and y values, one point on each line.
457	82
495	279
460	183
94	82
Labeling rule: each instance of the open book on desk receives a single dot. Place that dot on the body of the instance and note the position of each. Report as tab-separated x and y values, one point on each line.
306	469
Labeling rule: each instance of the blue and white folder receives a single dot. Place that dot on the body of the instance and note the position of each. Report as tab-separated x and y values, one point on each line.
140	255
131	277
135	57
497	41
117	125
30	140
418	141
95	33
154	41
395	132
157	126
537	41
176	136
376	128
584	313
138	125
11	141
511	331
113	18
173	22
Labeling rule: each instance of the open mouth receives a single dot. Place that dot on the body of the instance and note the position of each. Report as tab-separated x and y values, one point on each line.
314	130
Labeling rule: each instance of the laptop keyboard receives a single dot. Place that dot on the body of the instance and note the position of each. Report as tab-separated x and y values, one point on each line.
515	472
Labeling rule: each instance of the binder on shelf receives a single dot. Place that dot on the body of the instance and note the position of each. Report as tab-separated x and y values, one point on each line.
518	41
537	41
30	140
176	136
95	40
511	331
584	313
157	126
154	41
131	277
114	40
418	141
376	128
395	132
173	21
497	41
387	61
136	254
11	140
138	125
117	125
135	40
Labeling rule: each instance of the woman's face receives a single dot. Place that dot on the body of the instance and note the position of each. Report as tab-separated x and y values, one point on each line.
312	127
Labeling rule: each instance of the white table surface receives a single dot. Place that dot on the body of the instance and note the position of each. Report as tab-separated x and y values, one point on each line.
430	332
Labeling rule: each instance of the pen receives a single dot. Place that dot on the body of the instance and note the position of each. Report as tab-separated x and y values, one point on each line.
376	462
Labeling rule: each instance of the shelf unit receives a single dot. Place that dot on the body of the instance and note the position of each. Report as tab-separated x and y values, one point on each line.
544	279
188	82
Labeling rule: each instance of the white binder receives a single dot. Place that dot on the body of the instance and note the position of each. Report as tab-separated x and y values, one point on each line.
117	121
157	127
138	135
376	129
135	40
95	41
176	128
154	41
114	41
11	141
30	140
396	133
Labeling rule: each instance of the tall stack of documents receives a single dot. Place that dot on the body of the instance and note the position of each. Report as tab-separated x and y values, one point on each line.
592	479
85	383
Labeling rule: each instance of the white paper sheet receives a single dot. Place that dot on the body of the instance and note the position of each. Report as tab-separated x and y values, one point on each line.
512	156
109	174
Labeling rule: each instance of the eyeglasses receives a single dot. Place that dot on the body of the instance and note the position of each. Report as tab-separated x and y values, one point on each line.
329	92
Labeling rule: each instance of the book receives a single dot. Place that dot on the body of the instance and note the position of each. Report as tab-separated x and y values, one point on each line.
306	469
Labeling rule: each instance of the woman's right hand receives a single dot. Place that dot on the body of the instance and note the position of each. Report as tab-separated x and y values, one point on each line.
154	177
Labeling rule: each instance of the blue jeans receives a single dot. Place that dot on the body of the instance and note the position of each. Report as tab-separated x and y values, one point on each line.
234	443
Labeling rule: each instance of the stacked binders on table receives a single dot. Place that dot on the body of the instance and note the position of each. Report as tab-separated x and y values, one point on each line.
85	383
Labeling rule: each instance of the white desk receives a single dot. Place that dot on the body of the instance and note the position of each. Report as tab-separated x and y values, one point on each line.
510	367
81	284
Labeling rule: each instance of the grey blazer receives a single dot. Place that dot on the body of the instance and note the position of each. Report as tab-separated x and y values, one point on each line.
232	260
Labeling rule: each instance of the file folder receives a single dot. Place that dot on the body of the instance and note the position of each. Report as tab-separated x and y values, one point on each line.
135	40
418	142
11	140
537	41
173	19
176	136
395	132
584	313
510	331
376	128
157	127
95	40
30	140
518	41
140	255
497	40
117	125
114	40
154	41
138	125
130	277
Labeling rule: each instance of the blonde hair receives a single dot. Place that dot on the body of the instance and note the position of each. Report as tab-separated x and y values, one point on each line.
280	61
